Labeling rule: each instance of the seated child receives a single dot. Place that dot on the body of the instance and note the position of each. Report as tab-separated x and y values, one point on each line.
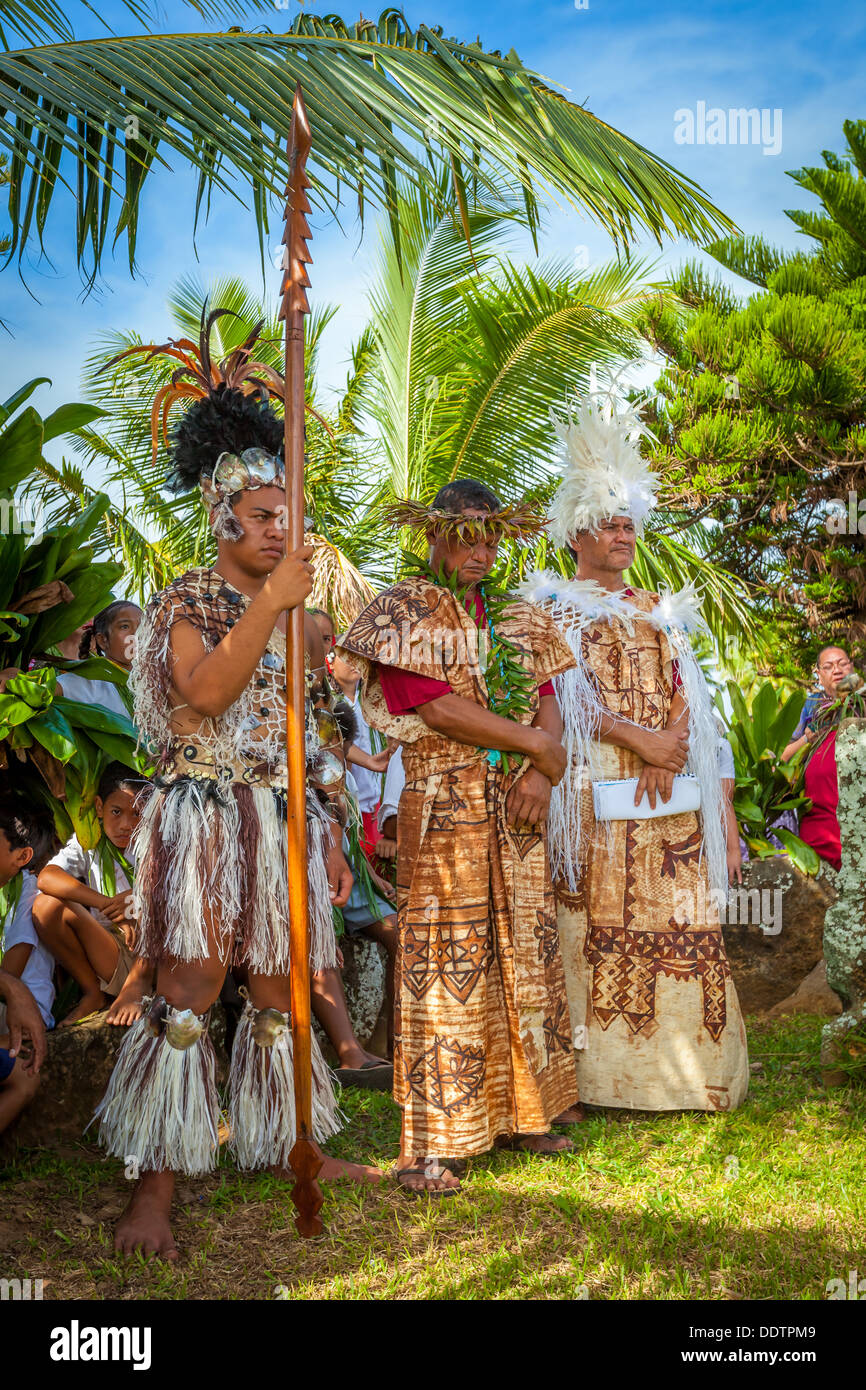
370	910
25	840
83	911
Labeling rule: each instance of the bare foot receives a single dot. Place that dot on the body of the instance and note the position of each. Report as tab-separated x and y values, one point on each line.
426	1175
145	1224
127	1008
337	1170
89	1004
572	1116
540	1143
334	1170
357	1058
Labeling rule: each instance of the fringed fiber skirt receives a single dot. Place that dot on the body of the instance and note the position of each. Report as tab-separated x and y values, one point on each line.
211	867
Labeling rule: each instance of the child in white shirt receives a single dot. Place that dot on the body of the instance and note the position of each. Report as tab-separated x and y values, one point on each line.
83	911
25	842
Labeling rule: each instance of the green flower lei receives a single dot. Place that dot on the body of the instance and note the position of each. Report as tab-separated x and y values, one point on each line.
510	687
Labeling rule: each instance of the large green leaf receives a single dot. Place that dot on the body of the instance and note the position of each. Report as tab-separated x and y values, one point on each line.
82	528
93	668
19	397
801	854
764	709
20	447
115	749
37	687
92	591
55	734
377	96
96	717
748	810
13	711
783	726
68	418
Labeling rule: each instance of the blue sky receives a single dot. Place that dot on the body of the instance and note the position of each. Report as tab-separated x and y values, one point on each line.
634	65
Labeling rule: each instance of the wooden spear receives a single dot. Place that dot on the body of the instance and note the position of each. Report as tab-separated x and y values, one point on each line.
306	1156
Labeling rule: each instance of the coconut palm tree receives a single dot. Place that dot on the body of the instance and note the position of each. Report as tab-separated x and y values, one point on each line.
463	355
95	117
472	350
471	353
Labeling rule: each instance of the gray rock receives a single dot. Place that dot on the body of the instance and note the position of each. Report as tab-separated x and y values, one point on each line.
812	996
768	968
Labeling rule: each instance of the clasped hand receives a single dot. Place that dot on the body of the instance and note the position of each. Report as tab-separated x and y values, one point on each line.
528	801
665	753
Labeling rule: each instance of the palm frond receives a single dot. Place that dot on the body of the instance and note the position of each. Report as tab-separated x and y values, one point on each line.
338	586
415	301
36	21
532	335
662	561
96	116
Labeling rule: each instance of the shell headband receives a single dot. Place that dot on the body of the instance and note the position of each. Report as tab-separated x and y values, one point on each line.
235	473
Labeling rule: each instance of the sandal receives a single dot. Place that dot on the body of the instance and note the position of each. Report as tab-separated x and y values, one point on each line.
372	1076
401	1173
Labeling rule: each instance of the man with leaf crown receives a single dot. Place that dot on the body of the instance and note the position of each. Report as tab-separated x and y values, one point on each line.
209	684
637	830
459	673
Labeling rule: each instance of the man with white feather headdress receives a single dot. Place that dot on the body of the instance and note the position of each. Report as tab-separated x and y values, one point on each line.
637	824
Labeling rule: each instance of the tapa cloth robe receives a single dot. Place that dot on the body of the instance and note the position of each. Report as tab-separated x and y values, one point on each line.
653	1006
482	1040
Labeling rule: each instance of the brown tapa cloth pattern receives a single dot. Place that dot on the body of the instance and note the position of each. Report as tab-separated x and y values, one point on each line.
482	1037
652	999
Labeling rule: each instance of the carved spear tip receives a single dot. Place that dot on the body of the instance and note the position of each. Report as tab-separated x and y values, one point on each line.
300	121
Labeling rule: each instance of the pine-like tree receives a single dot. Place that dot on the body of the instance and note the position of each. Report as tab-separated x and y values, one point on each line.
761	418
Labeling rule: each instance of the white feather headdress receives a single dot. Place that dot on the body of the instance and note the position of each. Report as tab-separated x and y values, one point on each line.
604	474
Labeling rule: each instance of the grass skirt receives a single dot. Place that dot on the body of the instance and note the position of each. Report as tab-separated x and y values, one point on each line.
213	855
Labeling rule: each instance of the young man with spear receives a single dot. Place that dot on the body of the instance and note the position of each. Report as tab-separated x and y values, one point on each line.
230	698
209	682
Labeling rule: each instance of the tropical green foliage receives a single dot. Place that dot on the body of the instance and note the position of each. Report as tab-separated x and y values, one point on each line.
51	749
463	355
471	350
766	787
383	99
760	414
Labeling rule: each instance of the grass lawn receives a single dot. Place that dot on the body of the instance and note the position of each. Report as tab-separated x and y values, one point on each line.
767	1203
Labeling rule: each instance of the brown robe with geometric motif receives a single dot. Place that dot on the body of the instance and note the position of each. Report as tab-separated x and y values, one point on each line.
483	1044
654	1009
